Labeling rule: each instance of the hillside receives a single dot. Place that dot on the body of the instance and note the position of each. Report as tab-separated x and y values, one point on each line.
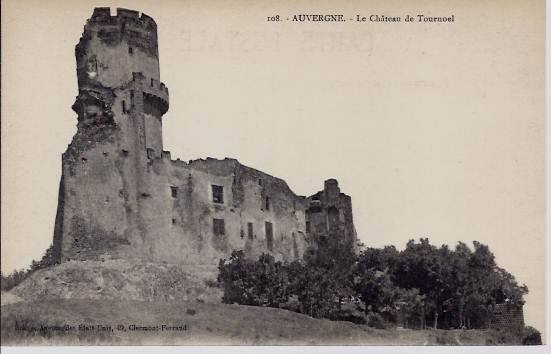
204	323
115	293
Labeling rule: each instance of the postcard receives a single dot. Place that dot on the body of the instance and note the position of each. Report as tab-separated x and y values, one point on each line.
273	173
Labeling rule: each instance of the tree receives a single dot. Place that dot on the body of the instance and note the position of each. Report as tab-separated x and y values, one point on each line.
373	284
460	280
262	283
411	307
331	264
423	266
236	279
421	284
271	281
317	291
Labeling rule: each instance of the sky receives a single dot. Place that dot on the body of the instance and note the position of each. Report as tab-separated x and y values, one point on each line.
435	130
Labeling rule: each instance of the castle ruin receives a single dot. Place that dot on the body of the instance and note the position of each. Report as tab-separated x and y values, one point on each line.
122	196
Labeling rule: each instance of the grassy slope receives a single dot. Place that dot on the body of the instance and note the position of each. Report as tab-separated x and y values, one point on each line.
207	324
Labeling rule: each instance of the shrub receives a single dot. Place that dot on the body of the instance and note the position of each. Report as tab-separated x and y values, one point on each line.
235	278
376	320
261	283
531	336
191	312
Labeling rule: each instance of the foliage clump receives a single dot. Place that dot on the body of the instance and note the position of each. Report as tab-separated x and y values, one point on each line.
10	281
421	286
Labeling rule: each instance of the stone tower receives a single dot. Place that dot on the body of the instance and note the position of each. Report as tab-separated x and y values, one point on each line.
120	105
119	55
330	214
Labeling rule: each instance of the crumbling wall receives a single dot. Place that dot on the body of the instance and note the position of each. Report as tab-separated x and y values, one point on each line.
329	214
179	213
98	208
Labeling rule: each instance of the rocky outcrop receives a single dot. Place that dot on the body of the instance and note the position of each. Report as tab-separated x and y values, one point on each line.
120	279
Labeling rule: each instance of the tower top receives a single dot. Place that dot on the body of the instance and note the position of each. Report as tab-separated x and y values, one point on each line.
118	65
102	15
138	30
112	48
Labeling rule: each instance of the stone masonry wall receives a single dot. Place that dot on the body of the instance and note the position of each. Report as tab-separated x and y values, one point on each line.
507	316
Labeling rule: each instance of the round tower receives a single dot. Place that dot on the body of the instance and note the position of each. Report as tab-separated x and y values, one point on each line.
118	77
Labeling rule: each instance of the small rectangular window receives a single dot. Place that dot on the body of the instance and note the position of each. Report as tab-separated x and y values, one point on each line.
269	236
308	227
250	231
123	107
218	194
152	82
150	153
174	191
218	227
267	203
130	50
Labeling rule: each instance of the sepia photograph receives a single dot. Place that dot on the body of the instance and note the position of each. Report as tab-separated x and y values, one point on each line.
305	173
